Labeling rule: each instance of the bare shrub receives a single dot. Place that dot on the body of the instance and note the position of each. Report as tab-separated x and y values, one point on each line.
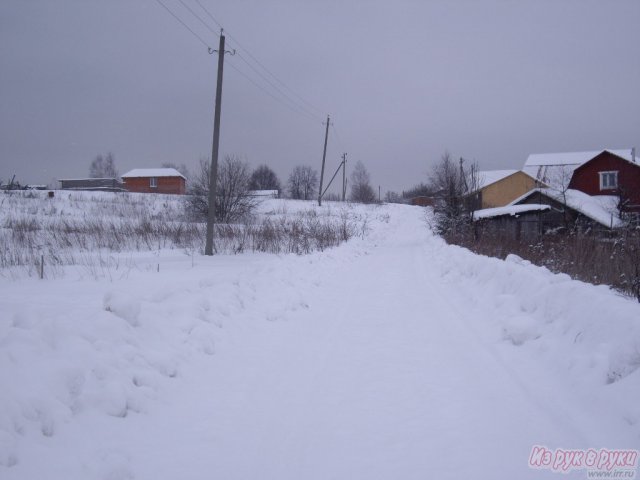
302	183
233	201
612	259
361	189
111	224
331	197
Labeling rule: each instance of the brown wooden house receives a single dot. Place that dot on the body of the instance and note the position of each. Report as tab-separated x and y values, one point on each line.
515	222
544	210
155	180
574	209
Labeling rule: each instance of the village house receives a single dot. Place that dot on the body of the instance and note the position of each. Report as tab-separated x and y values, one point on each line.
423	201
92	184
513	221
610	174
599	173
544	210
497	188
574	208
155	180
264	194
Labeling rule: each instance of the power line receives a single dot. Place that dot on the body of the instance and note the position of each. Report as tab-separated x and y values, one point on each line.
286	99
276	78
209	14
261	75
338	137
184	24
284	85
279	100
198	17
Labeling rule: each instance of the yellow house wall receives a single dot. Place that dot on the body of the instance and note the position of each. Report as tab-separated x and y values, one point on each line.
507	190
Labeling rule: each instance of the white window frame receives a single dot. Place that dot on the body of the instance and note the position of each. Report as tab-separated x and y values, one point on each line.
153	182
605	180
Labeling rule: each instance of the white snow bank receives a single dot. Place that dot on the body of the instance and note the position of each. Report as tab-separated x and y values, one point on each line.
386	356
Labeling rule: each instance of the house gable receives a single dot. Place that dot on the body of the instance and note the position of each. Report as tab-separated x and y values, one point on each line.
556	169
609	174
505	189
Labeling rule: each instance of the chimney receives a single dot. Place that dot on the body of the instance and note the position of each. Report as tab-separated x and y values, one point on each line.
633	154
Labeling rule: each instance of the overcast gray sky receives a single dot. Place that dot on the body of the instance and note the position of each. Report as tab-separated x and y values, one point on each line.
490	80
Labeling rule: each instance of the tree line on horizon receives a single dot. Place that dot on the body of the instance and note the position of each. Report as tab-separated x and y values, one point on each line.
302	182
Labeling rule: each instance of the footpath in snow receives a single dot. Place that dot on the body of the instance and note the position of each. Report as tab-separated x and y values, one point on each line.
393	356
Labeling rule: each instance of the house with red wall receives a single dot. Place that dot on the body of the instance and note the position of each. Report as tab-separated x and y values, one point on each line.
610	174
155	180
603	172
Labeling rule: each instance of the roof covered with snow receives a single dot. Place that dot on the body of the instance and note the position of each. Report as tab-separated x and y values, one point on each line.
513	210
487	177
153	172
600	208
85	179
572	158
557	168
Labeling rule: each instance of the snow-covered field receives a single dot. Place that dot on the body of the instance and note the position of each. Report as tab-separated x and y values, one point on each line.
392	356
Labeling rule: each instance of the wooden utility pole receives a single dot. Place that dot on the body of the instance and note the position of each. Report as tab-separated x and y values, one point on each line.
213	167
324	156
344	176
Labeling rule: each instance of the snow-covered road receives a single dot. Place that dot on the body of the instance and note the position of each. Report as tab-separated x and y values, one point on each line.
394	356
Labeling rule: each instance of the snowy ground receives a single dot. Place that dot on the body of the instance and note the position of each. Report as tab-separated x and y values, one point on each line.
393	356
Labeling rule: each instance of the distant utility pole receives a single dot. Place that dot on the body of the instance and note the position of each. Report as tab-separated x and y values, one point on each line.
213	167
463	177
324	156
379	195
344	176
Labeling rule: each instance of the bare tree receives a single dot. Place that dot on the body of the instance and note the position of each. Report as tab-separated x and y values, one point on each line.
473	184
233	201
393	197
103	167
302	182
419	190
361	189
263	178
559	179
453	185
